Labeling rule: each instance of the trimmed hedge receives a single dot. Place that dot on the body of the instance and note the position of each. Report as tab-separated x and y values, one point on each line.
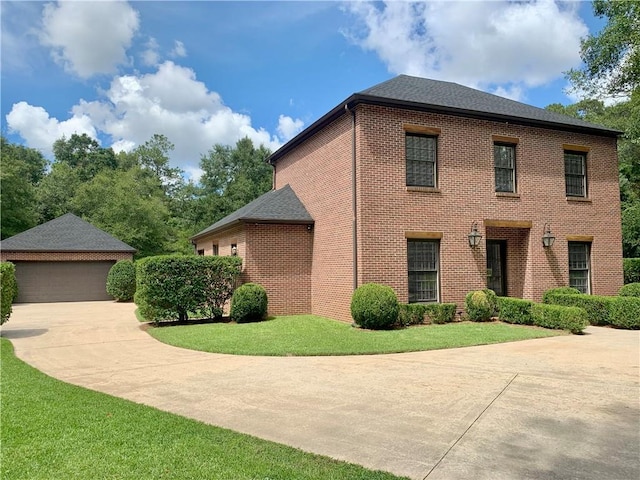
121	280
515	310
478	306
631	268
168	287
420	313
596	306
625	312
8	289
546	297
249	303
559	317
630	290
374	306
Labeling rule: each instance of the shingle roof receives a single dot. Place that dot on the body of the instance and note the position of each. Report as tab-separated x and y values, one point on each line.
67	233
275	206
449	98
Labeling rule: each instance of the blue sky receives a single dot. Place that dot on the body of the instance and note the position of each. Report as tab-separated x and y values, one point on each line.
212	72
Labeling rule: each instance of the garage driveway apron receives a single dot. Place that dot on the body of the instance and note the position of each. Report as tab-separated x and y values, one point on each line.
562	407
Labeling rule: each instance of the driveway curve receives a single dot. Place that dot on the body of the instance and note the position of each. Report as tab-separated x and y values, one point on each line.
554	408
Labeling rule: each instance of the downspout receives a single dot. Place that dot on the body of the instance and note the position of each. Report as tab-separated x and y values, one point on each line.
353	195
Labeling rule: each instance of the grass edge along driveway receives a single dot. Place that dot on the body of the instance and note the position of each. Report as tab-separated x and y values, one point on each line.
50	429
313	335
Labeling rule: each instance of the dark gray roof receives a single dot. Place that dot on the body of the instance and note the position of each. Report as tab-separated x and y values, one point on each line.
449	98
67	233
275	206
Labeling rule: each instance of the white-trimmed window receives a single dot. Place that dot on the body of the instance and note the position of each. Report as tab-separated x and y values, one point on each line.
580	266
424	265
504	159
421	159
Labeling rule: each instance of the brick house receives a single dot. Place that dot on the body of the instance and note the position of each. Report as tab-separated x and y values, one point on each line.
397	181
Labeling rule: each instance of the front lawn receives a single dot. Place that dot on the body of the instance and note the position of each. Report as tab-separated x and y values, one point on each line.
50	429
312	335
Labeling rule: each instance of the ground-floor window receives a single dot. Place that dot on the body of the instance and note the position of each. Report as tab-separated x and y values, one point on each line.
580	266
424	264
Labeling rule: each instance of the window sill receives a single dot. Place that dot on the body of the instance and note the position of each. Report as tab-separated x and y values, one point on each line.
507	194
423	189
579	199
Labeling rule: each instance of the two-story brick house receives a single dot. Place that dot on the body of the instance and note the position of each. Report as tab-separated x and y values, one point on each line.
395	183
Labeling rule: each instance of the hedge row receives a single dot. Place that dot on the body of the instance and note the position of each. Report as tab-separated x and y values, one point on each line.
8	289
526	312
170	287
631	270
419	313
121	280
621	312
630	290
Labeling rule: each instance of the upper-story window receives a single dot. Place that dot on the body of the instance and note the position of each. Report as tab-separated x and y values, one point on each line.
421	153
575	173
504	159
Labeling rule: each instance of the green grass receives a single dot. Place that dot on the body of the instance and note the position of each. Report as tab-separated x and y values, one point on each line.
312	335
50	429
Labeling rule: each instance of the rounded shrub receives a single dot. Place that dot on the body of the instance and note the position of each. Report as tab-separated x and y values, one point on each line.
547	296
121	281
249	303
630	290
478	306
374	306
492	298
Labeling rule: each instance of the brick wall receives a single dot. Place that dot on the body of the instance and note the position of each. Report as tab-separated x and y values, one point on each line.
64	256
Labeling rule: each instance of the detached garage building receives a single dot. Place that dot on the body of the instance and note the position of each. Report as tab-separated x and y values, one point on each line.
64	260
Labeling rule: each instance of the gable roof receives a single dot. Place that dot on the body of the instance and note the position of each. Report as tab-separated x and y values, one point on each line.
275	206
423	94
67	233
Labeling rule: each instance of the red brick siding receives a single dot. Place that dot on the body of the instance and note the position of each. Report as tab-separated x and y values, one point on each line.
279	258
234	235
319	171
466	194
63	256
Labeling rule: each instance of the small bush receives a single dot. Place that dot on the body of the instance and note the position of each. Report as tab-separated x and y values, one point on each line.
440	312
249	303
630	290
492	298
411	314
478	306
596	306
546	297
374	306
8	289
121	281
625	312
515	310
631	268
558	317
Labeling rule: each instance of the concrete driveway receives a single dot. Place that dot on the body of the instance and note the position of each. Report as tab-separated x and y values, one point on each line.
556	408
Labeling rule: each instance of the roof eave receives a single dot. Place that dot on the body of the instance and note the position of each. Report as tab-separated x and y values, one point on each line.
246	220
358	98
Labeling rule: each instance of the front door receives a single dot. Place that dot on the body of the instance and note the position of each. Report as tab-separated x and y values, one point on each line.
496	266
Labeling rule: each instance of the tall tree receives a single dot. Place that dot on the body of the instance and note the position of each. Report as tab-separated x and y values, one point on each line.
84	154
612	57
21	172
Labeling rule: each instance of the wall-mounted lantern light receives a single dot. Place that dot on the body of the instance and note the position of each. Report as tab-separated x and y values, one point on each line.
547	237
234	250
474	236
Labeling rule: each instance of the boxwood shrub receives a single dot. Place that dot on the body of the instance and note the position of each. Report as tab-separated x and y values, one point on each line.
249	303
8	289
630	290
419	313
596	306
625	312
492	298
631	270
121	281
441	312
559	317
547	296
374	306
411	314
478	306
515	310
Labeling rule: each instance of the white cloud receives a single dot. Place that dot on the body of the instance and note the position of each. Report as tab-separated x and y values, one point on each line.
479	44
170	101
288	127
151	55
89	38
179	50
39	130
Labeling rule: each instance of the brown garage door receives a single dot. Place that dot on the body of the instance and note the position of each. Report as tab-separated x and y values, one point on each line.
62	281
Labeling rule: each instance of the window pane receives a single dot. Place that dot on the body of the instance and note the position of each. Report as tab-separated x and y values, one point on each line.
422	259
504	156
579	266
421	160
423	287
575	174
504	180
504	159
